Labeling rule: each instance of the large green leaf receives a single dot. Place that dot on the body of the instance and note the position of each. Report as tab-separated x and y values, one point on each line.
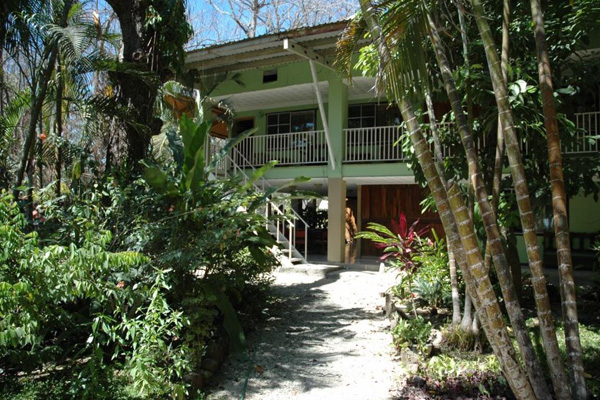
231	323
159	180
258	174
193	136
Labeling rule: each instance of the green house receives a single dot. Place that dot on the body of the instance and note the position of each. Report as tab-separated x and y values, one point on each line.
341	135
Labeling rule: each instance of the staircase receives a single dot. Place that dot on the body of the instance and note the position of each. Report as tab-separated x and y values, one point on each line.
281	217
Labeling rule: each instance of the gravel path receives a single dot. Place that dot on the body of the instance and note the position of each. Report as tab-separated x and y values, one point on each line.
325	338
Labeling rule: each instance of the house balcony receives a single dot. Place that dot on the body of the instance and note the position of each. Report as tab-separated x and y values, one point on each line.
376	145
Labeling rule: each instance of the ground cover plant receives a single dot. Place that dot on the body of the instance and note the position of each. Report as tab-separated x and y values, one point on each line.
411	58
449	360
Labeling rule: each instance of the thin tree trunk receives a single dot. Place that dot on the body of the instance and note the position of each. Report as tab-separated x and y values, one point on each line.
497	174
439	160
544	311
467	318
559	208
454	286
39	163
488	216
58	126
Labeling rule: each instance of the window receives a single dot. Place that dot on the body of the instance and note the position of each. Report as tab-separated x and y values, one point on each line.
241	125
370	115
287	122
270	76
361	116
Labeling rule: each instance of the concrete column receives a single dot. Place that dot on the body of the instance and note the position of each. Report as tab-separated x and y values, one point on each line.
337	117
336	219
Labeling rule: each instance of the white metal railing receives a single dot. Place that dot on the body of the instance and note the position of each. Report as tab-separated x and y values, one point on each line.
298	148
277	209
212	147
587	140
379	144
373	144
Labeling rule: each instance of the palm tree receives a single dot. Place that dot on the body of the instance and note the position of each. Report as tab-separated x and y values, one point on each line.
547	328
559	208
402	26
475	275
42	79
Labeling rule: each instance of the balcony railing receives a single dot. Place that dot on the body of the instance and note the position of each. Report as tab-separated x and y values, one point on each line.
298	148
375	144
587	139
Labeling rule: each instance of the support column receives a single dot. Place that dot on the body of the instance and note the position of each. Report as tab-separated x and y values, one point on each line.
337	116
336	219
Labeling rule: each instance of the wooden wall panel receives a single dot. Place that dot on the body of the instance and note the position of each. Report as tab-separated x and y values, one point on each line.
384	203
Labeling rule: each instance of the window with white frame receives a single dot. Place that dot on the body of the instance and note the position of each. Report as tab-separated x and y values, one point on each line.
370	115
291	121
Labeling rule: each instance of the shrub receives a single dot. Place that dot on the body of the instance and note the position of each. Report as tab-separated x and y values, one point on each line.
413	334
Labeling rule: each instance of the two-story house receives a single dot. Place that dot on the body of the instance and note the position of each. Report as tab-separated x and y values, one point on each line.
341	136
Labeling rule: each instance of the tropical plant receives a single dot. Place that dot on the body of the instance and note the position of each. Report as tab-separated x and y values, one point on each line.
412	334
63	302
402	242
396	29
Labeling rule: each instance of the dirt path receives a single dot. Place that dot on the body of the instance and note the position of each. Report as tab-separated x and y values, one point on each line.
326	338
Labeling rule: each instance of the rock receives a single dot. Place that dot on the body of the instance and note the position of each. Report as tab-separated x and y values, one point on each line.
436	338
410	360
417	381
196	380
210	364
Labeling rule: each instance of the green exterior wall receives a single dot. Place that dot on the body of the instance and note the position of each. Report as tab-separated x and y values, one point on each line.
584	214
584	217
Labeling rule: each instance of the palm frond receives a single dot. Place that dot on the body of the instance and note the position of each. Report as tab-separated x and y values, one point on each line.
348	43
9	121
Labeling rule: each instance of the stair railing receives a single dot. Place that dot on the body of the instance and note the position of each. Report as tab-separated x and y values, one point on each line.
284	219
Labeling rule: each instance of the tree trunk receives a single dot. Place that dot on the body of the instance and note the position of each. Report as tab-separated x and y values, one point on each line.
497	172
488	216
544	311
439	161
476	277
559	208
58	126
134	93
467	318
454	286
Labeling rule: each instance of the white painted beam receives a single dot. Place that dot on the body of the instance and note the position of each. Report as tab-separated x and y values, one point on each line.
304	52
313	72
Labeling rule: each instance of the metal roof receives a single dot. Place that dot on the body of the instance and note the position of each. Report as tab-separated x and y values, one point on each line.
264	50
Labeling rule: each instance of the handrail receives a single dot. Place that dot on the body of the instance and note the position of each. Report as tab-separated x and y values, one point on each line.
288	148
264	181
272	206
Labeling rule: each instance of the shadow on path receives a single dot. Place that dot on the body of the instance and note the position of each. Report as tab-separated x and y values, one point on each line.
318	341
